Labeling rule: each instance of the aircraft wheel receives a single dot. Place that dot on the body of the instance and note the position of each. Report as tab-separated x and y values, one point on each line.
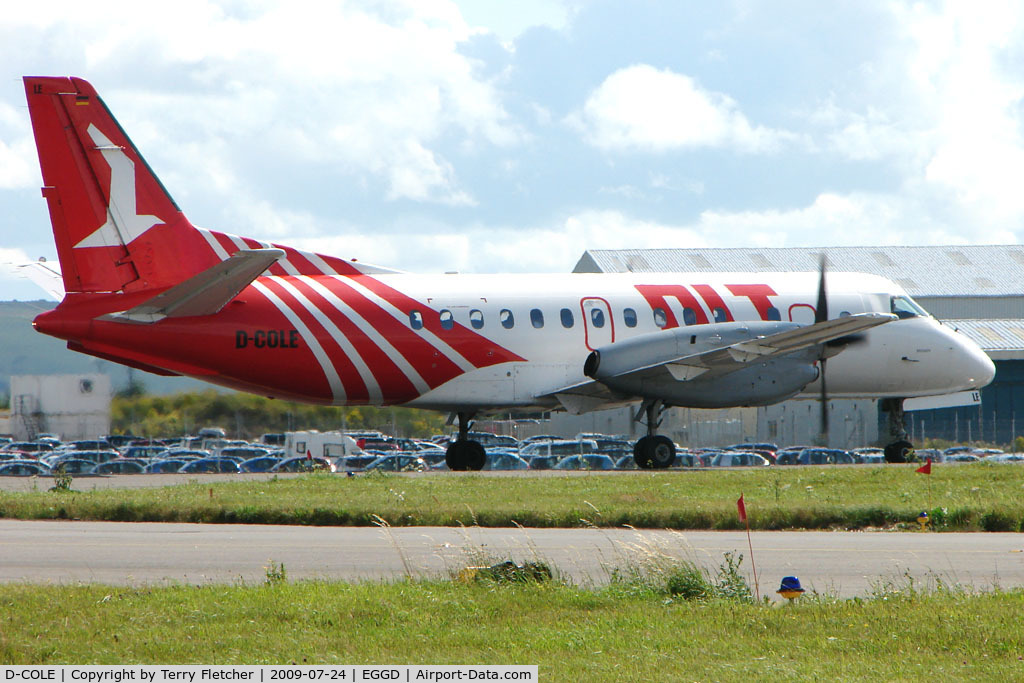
465	455
899	451
654	452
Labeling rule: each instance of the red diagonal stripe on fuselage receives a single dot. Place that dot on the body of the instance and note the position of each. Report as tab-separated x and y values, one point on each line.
395	386
433	366
355	389
477	349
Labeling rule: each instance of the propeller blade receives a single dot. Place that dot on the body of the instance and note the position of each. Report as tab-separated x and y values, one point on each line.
820	316
849	340
823	406
821	310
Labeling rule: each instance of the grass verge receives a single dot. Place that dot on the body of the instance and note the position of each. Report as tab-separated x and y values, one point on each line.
977	497
627	631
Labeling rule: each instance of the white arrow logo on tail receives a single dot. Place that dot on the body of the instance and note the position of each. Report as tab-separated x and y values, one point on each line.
123	223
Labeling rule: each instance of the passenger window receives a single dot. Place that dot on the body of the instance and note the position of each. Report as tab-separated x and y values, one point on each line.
567	319
507	319
720	316
476	319
659	317
689	316
537	318
597	317
416	320
629	317
773	313
447	321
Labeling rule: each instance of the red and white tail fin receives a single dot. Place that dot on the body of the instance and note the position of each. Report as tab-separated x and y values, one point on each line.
116	227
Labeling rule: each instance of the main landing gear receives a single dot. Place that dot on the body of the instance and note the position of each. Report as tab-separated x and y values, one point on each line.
899	449
653	451
464	454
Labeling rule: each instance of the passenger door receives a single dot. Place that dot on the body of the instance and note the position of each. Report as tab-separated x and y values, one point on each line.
598	323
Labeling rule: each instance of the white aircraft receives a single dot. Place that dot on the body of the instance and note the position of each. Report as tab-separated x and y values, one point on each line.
146	288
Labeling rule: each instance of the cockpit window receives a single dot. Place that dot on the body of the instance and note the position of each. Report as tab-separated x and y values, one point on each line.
905	307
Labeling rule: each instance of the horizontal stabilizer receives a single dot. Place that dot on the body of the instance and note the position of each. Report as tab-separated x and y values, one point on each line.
43	274
206	293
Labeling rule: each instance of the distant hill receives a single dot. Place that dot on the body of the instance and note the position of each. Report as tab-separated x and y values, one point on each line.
23	351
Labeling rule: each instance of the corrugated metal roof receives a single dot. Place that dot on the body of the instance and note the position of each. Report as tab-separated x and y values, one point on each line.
1000	339
995	270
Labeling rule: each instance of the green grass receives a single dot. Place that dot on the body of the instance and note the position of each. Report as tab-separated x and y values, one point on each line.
964	498
622	633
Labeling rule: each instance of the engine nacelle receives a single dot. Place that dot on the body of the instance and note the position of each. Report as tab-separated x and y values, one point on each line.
762	382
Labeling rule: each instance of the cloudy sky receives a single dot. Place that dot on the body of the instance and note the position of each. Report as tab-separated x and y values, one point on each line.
485	136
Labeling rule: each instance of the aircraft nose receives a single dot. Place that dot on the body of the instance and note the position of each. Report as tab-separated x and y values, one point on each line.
978	368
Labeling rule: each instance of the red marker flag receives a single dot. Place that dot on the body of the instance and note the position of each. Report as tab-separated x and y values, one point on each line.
925	468
309	455
742	509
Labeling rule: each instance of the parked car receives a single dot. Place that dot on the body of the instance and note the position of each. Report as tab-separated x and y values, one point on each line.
961	457
825	456
23	468
542	462
355	462
505	461
15	455
261	463
28	446
304	464
488	440
122	466
398	463
561	447
752	447
88	445
209	465
73	466
789	455
95	456
165	466
1005	458
187	453
539	437
150	451
119	440
587	461
242	453
739	459
687	459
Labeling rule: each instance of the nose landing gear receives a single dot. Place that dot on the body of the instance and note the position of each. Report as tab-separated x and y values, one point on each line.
899	448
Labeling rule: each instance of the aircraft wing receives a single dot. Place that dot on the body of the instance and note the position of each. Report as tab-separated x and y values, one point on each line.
205	293
657	367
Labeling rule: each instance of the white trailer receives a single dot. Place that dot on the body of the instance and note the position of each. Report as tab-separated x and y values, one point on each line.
331	445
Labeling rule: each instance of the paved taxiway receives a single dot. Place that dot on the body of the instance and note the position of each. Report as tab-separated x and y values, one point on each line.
839	563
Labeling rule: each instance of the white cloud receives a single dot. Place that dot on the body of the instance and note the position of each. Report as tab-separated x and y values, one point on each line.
508	20
944	106
654	110
16	170
18	166
960	62
389	76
